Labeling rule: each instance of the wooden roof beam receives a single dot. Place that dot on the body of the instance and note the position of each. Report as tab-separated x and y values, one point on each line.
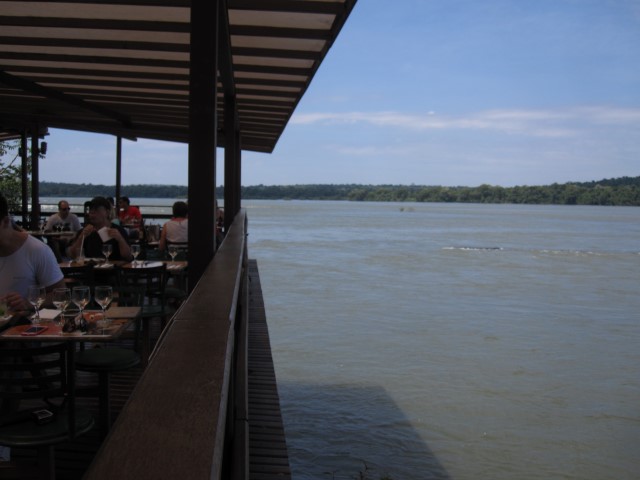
34	88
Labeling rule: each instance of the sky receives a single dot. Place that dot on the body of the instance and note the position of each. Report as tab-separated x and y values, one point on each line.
436	92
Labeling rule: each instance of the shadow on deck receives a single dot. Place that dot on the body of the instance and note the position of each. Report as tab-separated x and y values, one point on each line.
268	455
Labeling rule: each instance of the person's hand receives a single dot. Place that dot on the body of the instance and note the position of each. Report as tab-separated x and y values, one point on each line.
88	230
16	303
115	233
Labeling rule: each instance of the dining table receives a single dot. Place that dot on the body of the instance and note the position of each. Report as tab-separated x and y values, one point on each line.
119	320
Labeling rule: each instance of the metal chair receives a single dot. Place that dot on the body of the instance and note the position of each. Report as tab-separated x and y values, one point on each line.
152	281
35	380
105	360
81	275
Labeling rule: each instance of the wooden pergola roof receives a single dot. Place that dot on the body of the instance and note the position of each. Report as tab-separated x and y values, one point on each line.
122	67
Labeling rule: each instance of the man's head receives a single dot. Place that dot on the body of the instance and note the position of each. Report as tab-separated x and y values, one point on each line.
63	209
99	210
124	202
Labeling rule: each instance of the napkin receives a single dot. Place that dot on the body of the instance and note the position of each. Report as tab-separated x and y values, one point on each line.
104	234
49	313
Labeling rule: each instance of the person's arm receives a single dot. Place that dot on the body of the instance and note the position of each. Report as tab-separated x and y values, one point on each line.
49	225
123	246
75	249
163	238
75	224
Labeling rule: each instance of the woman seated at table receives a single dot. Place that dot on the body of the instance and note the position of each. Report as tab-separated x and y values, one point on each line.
175	230
89	237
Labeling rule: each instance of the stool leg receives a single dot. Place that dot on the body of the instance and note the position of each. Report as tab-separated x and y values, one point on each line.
105	401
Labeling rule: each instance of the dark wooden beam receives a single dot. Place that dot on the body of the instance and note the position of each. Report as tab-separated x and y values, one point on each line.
34	88
202	136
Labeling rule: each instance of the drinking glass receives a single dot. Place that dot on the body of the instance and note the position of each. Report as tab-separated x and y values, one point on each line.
4	309
173	251
106	251
36	296
103	295
81	297
135	251
61	299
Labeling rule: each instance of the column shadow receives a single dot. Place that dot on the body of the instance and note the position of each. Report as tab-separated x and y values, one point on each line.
345	432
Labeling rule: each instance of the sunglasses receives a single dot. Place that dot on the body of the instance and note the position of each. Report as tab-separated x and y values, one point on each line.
64	209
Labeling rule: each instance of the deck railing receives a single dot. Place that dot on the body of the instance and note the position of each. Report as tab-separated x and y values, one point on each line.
187	418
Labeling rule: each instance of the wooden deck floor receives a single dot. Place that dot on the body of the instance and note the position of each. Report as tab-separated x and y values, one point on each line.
269	458
267	445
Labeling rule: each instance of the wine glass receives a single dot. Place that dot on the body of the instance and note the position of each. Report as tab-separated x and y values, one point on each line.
173	251
36	296
135	251
106	251
103	295
61	299
81	297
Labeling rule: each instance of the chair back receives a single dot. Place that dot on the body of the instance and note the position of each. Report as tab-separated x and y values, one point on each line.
151	281
81	275
183	250
152	233
37	377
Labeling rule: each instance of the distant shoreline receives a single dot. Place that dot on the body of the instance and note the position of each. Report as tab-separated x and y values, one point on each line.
623	191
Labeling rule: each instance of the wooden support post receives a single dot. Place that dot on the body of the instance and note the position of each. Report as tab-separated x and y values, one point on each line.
202	136
35	180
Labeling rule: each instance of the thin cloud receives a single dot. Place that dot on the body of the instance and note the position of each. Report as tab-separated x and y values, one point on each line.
541	123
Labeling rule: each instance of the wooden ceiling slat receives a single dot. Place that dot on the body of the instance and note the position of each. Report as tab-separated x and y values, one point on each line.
121	67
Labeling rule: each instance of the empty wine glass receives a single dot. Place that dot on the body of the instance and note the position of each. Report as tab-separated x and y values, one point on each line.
173	251
103	295
81	297
106	251
36	296
135	251
61	299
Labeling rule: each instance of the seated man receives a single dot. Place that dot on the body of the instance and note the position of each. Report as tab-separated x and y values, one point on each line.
69	221
130	217
175	230
89	239
65	221
24	261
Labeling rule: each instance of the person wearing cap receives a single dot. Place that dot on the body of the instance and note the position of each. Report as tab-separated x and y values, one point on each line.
89	238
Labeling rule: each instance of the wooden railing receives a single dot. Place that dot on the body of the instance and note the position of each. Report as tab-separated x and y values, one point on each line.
186	418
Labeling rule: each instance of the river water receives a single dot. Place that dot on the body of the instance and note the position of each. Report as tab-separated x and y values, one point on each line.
454	341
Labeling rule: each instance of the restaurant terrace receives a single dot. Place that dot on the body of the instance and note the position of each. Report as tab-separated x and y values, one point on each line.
212	74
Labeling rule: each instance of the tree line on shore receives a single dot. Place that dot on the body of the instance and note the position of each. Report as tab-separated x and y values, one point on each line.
623	191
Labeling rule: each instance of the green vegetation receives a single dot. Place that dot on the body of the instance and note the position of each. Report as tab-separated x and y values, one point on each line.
10	172
624	191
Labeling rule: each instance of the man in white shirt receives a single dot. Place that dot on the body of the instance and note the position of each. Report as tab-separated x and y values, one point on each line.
69	223
64	218
24	261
